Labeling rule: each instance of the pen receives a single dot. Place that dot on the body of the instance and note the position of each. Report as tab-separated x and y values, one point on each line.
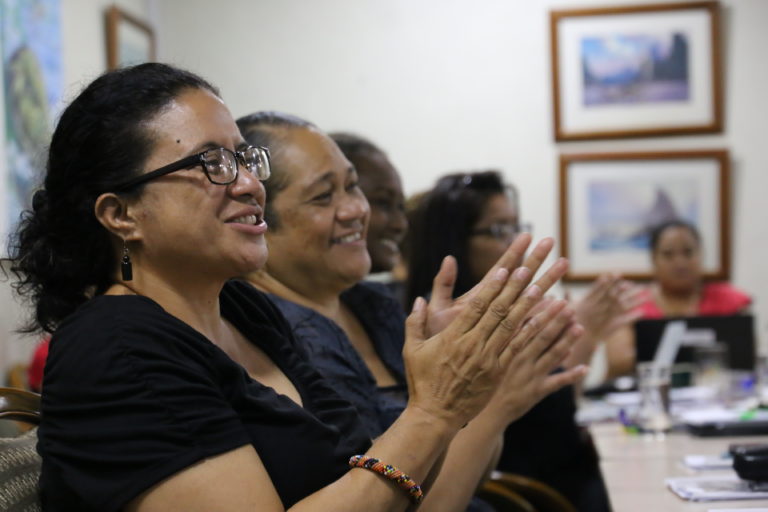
629	427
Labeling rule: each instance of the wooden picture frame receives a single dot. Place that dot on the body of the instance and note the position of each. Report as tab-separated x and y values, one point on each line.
636	71
129	39
610	201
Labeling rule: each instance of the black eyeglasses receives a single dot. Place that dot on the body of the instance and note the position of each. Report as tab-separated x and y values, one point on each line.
503	231
220	166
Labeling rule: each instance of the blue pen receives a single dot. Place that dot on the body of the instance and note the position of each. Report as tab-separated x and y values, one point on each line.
629	427
623	417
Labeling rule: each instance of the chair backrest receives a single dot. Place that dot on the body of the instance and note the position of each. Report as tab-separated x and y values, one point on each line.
17	376
19	460
503	499
541	496
20	405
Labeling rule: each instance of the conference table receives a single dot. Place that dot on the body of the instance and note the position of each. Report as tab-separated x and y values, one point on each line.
635	466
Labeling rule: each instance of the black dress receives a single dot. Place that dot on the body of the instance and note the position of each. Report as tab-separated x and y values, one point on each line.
547	444
134	395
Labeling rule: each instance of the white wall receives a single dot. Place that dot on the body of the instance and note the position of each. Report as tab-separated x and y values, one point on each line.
84	58
441	84
84	42
457	84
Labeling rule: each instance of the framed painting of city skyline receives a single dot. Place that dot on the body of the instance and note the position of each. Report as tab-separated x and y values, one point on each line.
609	203
635	71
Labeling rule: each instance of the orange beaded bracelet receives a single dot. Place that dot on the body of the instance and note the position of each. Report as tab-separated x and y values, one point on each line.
401	479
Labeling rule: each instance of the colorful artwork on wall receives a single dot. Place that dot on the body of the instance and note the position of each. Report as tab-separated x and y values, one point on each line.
636	70
30	41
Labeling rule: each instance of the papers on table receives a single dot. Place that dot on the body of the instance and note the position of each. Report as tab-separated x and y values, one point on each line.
737	510
713	488
720	413
676	395
708	461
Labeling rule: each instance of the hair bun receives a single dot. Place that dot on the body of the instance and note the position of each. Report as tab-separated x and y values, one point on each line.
39	200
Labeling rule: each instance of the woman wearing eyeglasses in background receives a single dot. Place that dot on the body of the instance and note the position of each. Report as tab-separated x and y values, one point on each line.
475	217
152	202
352	330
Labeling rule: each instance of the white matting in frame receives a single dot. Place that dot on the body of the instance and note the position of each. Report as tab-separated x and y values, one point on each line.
611	202
629	44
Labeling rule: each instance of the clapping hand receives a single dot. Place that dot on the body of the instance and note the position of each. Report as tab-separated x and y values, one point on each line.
610	303
443	307
454	373
528	376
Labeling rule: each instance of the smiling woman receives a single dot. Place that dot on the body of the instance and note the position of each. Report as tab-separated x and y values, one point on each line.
354	332
380	182
171	387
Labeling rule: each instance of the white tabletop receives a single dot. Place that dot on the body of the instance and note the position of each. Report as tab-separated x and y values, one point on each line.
635	466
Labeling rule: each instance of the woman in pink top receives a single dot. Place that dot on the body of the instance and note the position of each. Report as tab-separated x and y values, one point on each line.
677	290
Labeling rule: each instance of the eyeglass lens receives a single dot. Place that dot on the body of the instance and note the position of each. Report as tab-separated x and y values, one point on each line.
221	164
256	160
499	230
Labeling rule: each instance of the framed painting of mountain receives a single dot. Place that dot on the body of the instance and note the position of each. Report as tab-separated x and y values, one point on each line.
633	71
609	203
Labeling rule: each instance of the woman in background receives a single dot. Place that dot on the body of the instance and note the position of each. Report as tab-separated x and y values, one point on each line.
381	184
353	330
474	217
678	289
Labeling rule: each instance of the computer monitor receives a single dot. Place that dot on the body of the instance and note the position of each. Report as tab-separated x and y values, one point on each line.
737	332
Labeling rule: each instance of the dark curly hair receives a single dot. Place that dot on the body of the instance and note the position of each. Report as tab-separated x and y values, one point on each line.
60	253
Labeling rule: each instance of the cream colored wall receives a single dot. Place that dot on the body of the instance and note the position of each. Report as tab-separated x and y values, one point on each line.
84	58
460	84
441	84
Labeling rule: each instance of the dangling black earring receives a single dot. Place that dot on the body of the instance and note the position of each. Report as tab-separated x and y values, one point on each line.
125	267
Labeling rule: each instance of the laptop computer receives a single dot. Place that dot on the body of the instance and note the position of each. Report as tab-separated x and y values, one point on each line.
737	332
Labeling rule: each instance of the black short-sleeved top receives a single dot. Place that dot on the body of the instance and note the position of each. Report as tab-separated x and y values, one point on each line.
333	354
134	395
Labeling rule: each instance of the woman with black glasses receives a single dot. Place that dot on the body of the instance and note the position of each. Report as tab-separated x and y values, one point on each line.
151	203
475	217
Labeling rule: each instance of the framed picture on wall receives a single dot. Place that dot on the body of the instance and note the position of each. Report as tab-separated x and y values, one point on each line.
129	40
609	202
635	71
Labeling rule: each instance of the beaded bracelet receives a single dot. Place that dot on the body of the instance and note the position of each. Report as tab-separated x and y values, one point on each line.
401	479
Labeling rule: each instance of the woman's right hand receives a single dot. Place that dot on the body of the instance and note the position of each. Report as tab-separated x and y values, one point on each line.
453	374
529	376
610	303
